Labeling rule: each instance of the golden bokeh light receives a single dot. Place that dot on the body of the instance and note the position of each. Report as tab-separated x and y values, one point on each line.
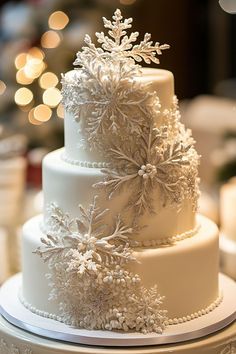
31	118
50	39
34	68
23	96
42	113
51	97
60	111
48	80
36	53
21	78
20	60
2	87
58	20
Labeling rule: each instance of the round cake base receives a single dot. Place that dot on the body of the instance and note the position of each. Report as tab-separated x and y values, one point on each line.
14	312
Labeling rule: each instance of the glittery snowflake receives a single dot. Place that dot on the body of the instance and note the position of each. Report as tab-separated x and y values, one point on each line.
121	44
86	242
104	94
110	99
88	274
154	163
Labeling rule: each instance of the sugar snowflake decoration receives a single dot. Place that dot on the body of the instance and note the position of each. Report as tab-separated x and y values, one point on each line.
112	101
119	43
104	94
85	241
88	274
156	163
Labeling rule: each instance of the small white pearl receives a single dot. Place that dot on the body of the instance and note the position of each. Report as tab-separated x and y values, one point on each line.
141	172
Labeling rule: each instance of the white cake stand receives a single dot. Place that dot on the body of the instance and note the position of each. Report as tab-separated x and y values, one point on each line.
16	314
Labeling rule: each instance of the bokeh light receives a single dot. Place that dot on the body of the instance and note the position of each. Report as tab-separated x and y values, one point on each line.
58	20
48	80
34	68
21	77
31	118
36	53
20	60
60	111
2	87
42	113
52	97
50	39
23	96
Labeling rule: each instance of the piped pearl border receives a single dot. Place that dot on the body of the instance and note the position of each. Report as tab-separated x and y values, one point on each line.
197	314
34	310
169	322
87	164
168	240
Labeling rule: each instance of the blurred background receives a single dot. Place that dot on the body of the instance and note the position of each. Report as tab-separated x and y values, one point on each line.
38	41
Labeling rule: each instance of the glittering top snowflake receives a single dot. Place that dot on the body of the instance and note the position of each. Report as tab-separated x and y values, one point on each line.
118	43
104	93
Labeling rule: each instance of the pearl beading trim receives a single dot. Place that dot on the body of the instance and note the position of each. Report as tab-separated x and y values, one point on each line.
168	240
87	164
169	322
197	314
34	310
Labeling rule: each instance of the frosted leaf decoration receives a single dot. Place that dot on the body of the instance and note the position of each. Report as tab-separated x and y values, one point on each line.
88	274
104	94
156	163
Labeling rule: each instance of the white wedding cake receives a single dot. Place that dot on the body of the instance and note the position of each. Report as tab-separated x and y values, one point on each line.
120	245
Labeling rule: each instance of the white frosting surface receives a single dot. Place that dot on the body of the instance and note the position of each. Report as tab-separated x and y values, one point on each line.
179	270
69	185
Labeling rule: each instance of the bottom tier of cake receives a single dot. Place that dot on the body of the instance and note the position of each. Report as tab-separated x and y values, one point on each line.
186	273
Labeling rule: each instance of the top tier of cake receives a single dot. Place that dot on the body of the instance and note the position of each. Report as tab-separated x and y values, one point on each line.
158	80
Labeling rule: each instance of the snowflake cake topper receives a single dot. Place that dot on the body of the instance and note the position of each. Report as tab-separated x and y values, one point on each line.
104	94
121	44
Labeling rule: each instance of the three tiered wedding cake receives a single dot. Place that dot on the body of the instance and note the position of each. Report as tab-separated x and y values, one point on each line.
120	246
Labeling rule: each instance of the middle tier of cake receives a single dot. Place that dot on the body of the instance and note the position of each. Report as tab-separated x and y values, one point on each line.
69	186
